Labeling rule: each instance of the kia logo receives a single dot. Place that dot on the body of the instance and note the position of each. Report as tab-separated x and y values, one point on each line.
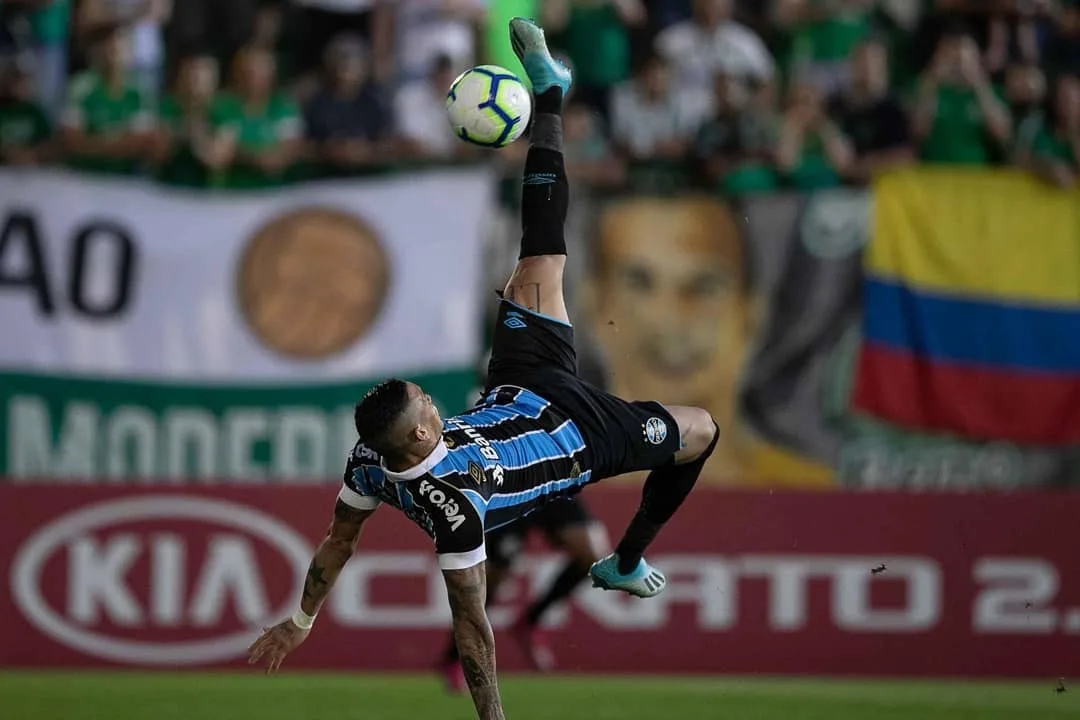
98	583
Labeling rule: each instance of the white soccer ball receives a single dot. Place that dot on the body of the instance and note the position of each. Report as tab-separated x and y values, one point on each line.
488	106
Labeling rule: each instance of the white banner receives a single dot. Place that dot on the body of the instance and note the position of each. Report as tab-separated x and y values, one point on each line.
315	283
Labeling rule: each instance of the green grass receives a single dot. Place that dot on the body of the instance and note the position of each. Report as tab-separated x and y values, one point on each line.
295	696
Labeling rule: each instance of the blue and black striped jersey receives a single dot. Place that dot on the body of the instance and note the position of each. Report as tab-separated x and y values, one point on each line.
495	463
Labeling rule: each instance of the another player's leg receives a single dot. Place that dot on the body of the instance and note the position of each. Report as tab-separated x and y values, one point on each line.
665	489
583	541
536	283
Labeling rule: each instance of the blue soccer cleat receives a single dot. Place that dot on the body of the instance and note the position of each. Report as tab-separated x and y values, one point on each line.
544	71
645	581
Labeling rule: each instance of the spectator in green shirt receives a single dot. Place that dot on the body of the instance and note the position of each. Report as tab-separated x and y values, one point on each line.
812	153
24	126
260	124
959	117
187	154
108	120
734	150
1055	151
595	35
822	34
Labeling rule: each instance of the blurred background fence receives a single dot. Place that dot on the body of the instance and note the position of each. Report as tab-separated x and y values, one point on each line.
849	228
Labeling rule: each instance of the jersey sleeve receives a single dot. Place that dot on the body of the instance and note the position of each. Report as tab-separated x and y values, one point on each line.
357	490
457	524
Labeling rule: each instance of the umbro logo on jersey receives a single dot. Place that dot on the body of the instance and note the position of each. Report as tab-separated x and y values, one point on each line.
514	321
476	473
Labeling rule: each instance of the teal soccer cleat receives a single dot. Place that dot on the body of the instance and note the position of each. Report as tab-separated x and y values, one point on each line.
645	581
544	71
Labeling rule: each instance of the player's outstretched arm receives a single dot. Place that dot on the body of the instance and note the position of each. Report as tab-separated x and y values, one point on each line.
335	550
467	590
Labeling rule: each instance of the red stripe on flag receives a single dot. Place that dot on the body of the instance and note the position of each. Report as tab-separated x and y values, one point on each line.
1032	408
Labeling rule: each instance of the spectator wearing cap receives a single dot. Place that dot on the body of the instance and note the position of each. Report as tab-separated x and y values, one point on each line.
25	132
109	118
871	117
349	119
187	153
710	42
260	125
595	35
959	117
427	29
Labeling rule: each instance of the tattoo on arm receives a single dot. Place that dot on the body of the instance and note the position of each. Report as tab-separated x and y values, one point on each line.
334	551
526	294
467	590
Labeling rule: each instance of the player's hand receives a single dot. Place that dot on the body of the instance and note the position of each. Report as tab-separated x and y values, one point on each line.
275	643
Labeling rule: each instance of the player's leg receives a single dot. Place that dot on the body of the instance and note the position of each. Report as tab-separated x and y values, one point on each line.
537	281
664	491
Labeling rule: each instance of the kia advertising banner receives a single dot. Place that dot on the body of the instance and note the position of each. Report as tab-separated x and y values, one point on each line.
759	582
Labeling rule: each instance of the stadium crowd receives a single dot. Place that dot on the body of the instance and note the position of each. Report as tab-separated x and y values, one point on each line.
741	96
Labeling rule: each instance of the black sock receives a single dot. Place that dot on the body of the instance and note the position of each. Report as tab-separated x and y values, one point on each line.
549	101
570	577
545	194
665	490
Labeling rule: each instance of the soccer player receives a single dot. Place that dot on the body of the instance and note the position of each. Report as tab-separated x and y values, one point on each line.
568	526
539	432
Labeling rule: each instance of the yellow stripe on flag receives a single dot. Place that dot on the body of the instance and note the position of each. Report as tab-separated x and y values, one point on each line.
994	235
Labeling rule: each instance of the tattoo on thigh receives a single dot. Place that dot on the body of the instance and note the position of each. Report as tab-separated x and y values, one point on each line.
527	295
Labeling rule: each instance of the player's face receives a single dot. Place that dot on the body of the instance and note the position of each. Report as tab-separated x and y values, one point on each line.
422	409
670	301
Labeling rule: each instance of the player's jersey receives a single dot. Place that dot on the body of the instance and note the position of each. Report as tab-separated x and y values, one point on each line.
495	463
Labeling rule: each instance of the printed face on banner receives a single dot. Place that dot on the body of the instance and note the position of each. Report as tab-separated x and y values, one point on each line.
675	313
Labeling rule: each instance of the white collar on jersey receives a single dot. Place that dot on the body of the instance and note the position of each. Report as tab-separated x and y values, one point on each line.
421	468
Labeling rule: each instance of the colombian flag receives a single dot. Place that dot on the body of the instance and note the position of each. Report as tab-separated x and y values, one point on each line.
972	307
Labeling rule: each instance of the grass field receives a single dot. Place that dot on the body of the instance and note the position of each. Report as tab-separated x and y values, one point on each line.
226	696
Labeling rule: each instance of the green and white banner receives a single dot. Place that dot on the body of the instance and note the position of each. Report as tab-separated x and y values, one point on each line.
155	334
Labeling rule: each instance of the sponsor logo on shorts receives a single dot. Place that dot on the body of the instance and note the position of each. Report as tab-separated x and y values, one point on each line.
514	321
655	430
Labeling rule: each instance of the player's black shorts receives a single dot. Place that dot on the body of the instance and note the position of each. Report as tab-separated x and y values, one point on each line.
537	353
504	543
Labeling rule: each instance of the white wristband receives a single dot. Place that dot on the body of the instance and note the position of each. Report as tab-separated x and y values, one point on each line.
302	620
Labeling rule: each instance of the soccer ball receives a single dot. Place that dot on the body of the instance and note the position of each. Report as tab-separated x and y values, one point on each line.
488	106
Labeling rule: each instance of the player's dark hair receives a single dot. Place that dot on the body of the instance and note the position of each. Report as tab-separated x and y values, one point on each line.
377	413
